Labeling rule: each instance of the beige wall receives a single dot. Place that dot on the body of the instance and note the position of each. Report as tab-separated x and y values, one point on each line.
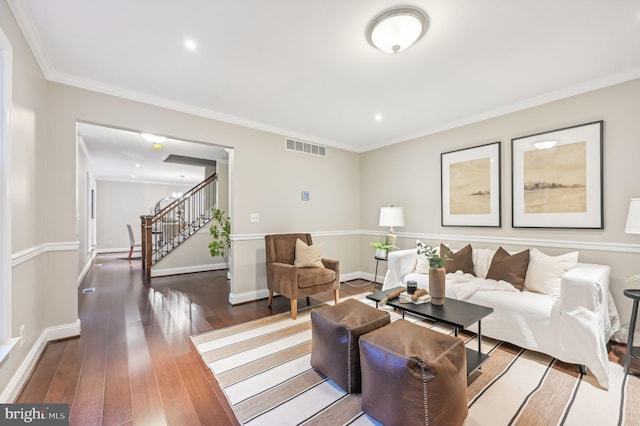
411	173
122	203
39	289
264	177
347	189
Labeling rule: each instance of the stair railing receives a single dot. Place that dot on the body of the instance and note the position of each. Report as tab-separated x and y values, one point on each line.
171	226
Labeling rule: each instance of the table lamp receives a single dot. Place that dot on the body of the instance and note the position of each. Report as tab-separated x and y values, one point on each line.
633	223
633	217
392	216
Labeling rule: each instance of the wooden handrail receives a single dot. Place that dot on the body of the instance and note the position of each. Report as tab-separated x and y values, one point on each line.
168	228
187	194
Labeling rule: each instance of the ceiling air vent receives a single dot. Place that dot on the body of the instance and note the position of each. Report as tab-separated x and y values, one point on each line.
306	147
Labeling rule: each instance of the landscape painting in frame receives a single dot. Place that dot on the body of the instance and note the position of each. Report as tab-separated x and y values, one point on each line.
471	186
557	178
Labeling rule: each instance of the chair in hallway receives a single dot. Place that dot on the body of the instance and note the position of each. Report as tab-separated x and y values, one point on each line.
293	282
132	241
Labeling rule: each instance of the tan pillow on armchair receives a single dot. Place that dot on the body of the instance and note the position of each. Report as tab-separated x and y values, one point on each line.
308	256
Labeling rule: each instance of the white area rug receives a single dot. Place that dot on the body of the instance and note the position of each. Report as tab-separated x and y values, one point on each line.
264	370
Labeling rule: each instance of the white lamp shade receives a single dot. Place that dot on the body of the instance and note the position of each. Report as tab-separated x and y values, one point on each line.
391	216
633	217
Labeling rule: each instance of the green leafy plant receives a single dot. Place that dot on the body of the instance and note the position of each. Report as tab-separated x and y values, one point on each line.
221	233
634	278
433	255
382	246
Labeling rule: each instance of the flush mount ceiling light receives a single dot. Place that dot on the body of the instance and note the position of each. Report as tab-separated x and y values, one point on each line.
153	138
395	30
156	141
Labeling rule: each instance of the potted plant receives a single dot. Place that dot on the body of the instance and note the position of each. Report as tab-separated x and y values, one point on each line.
221	233
382	249
436	270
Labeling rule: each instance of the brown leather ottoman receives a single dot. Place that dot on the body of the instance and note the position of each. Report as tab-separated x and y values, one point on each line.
412	375
335	331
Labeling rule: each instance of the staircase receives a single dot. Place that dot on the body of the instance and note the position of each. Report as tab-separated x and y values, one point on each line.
174	224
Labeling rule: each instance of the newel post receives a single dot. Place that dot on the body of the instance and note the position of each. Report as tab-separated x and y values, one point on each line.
147	245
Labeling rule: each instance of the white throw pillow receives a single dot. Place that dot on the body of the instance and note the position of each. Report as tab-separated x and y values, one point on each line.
308	256
545	272
482	261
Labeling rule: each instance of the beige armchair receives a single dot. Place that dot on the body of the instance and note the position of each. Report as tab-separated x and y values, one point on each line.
293	282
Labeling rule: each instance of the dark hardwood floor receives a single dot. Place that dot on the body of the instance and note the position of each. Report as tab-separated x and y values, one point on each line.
134	363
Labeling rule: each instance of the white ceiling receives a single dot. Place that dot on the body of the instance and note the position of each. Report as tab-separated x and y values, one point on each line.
305	69
123	155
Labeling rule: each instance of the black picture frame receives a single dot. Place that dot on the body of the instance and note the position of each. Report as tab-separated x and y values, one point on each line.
557	178
471	186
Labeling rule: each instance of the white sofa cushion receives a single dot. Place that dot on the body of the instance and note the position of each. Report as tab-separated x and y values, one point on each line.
545	272
482	260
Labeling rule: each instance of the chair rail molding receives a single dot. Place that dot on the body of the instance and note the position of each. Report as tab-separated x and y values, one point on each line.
32	252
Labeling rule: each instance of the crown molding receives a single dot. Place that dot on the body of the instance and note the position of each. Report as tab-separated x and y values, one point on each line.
25	22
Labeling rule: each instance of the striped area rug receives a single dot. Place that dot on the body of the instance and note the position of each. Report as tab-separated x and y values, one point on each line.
264	370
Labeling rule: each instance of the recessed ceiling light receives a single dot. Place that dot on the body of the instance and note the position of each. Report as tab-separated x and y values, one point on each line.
190	44
133	176
137	165
378	117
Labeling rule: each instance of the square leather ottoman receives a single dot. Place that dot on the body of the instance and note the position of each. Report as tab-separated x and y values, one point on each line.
335	331
413	375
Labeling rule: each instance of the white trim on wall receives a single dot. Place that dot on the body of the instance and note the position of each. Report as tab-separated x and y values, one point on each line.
255	237
187	270
19	379
32	252
527	242
87	267
6	62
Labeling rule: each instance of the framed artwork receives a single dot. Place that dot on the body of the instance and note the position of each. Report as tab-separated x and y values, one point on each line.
557	178
470	180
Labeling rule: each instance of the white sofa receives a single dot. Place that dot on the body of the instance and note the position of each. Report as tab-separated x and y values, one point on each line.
574	327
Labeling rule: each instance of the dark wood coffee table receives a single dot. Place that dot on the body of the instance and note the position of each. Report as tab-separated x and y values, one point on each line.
454	312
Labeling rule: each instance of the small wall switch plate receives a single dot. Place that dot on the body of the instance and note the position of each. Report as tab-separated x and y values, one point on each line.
305	195
254	217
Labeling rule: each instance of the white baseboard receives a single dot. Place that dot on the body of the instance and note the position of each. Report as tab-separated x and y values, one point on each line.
352	276
186	269
625	333
118	250
249	296
10	393
86	268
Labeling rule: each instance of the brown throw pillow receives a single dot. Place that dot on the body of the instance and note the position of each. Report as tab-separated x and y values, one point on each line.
509	268
462	260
